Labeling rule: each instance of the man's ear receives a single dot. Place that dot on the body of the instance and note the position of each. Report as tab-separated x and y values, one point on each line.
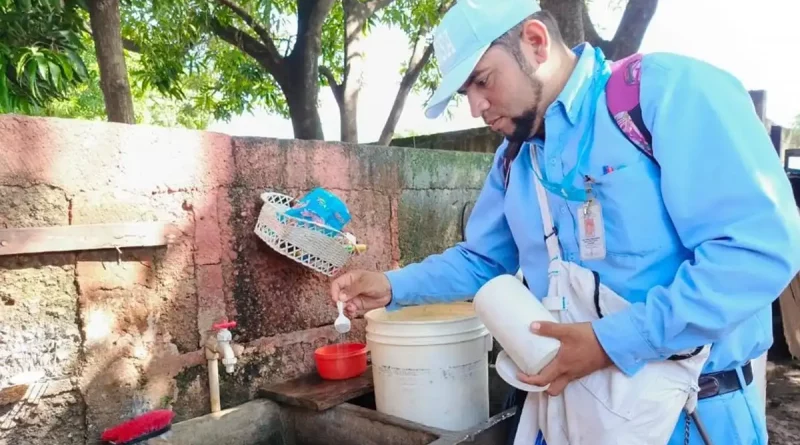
536	36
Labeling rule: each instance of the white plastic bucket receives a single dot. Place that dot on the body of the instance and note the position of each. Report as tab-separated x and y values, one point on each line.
430	364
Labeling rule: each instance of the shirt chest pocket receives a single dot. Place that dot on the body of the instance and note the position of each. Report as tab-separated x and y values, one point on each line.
635	219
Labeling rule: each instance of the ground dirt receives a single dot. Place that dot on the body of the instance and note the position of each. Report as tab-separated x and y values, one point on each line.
783	403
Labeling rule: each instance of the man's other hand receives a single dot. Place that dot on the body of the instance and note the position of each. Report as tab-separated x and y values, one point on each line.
362	291
580	355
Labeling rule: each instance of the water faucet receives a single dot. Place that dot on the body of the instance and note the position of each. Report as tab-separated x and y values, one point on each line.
224	338
217	346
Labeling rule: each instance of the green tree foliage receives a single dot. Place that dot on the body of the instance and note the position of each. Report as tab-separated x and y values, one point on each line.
85	101
39	46
177	41
266	53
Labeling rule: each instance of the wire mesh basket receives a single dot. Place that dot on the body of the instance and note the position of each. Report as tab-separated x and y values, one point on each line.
314	245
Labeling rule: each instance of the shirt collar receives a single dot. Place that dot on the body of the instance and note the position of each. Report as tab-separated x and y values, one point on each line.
571	97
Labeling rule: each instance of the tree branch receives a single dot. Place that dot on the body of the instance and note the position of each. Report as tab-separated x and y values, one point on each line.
591	35
418	61
128	44
589	31
373	6
337	88
131	46
568	14
311	15
630	33
247	44
262	33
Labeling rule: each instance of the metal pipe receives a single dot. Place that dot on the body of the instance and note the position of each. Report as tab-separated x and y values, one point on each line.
213	384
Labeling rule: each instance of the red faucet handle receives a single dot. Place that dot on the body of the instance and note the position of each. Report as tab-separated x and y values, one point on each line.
224	325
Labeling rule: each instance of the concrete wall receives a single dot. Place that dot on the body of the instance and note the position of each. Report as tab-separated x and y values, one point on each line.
115	335
475	140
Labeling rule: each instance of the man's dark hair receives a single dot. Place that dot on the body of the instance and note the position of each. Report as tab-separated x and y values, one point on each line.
510	40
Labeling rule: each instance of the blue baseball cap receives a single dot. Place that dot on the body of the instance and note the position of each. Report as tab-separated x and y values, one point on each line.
464	35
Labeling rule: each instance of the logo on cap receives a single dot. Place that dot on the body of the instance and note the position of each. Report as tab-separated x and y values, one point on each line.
444	48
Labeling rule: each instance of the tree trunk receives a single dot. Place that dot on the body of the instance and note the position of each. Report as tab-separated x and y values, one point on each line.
576	25
298	73
419	58
569	15
105	22
632	27
301	88
355	15
302	102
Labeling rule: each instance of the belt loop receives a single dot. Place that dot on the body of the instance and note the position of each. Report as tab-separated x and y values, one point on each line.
740	376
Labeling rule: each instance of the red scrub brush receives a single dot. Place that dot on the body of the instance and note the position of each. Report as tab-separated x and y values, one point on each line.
144	427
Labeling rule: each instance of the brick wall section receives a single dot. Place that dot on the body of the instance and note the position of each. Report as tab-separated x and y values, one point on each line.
115	334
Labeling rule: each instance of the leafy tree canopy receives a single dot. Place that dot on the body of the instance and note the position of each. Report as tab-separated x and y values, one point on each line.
39	45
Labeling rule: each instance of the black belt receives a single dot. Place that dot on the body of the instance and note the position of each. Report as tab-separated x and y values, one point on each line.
723	382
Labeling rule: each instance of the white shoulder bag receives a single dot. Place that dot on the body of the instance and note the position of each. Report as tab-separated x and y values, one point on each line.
605	407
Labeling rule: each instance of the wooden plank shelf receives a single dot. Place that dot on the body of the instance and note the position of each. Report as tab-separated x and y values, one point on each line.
85	237
312	392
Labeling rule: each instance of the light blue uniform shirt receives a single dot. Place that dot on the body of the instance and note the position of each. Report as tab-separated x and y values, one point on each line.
701	246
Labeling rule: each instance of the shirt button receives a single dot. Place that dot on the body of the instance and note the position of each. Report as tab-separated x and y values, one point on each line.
553	161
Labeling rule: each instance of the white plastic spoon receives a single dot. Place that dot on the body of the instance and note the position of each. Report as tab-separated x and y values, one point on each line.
342	323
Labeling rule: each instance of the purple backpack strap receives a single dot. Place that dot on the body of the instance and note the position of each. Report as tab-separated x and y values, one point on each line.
622	98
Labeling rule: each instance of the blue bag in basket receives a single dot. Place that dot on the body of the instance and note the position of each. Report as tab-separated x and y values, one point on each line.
322	207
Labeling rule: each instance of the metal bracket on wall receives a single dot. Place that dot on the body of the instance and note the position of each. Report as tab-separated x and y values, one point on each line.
86	237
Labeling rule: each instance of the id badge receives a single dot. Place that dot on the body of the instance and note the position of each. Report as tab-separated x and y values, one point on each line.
592	231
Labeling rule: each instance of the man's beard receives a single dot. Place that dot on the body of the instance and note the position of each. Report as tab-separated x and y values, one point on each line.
523	124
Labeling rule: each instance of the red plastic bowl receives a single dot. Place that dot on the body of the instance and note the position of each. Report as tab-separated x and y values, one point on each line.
341	361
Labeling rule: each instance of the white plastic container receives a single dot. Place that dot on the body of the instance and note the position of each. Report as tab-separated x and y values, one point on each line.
508	308
430	364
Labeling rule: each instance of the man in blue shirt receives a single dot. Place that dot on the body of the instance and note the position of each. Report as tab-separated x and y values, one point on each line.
701	241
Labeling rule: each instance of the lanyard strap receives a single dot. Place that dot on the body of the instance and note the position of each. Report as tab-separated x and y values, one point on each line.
565	188
550	234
